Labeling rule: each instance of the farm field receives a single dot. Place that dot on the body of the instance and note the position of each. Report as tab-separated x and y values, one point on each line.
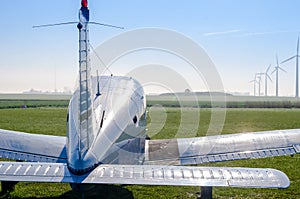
168	100
218	101
52	121
21	96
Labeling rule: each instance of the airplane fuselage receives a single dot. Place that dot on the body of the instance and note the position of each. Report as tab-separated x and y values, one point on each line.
118	118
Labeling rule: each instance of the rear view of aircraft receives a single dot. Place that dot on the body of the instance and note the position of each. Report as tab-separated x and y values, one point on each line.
106	142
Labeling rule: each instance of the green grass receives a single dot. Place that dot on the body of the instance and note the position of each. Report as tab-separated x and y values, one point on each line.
4	104
52	121
20	96
217	101
222	104
42	120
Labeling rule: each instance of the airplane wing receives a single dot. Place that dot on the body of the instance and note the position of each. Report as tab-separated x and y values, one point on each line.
146	175
183	151
32	147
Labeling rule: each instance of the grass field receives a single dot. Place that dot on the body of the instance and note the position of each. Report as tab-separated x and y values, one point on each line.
52	121
203	101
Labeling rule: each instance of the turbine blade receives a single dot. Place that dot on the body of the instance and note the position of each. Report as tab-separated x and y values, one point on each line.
298	47
273	70
268	76
288	59
268	69
282	69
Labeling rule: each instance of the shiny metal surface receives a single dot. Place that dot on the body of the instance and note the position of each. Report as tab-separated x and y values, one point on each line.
32	147
146	175
222	148
121	99
85	116
107	128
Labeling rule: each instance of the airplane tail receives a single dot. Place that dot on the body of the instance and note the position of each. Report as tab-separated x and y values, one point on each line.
85	99
82	121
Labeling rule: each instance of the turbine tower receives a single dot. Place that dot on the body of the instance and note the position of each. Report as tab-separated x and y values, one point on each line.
267	76
254	81
277	67
297	68
258	75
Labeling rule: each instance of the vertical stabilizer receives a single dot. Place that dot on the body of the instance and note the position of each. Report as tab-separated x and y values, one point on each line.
85	102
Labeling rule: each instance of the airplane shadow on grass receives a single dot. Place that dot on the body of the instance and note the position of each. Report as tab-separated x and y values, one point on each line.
98	191
102	191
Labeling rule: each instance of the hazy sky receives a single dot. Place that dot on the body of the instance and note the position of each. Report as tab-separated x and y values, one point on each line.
241	37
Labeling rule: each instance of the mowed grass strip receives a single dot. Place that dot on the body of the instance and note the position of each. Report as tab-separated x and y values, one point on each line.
4	104
53	121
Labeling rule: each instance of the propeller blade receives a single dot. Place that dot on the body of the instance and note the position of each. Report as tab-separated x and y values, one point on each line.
288	59
55	24
107	25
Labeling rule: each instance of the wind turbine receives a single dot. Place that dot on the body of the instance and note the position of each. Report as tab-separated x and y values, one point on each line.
277	67
297	68
267	76
258	75
254	83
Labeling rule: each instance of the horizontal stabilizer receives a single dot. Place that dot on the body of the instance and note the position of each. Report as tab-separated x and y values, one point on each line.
32	147
184	151
146	175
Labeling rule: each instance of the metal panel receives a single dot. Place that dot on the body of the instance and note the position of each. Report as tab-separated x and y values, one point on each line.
32	147
222	148
235	156
297	148
29	157
146	175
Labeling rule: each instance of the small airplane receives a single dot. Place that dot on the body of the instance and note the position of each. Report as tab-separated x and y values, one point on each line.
106	143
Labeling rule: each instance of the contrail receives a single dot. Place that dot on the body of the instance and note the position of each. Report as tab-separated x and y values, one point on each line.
221	33
269	32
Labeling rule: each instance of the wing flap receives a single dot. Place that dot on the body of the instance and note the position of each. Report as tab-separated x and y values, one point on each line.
146	175
200	150
32	147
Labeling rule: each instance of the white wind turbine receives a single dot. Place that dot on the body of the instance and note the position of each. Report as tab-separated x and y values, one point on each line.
254	81
297	68
258	75
277	67
267	76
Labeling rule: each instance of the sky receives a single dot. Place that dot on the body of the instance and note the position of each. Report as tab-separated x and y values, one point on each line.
240	37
